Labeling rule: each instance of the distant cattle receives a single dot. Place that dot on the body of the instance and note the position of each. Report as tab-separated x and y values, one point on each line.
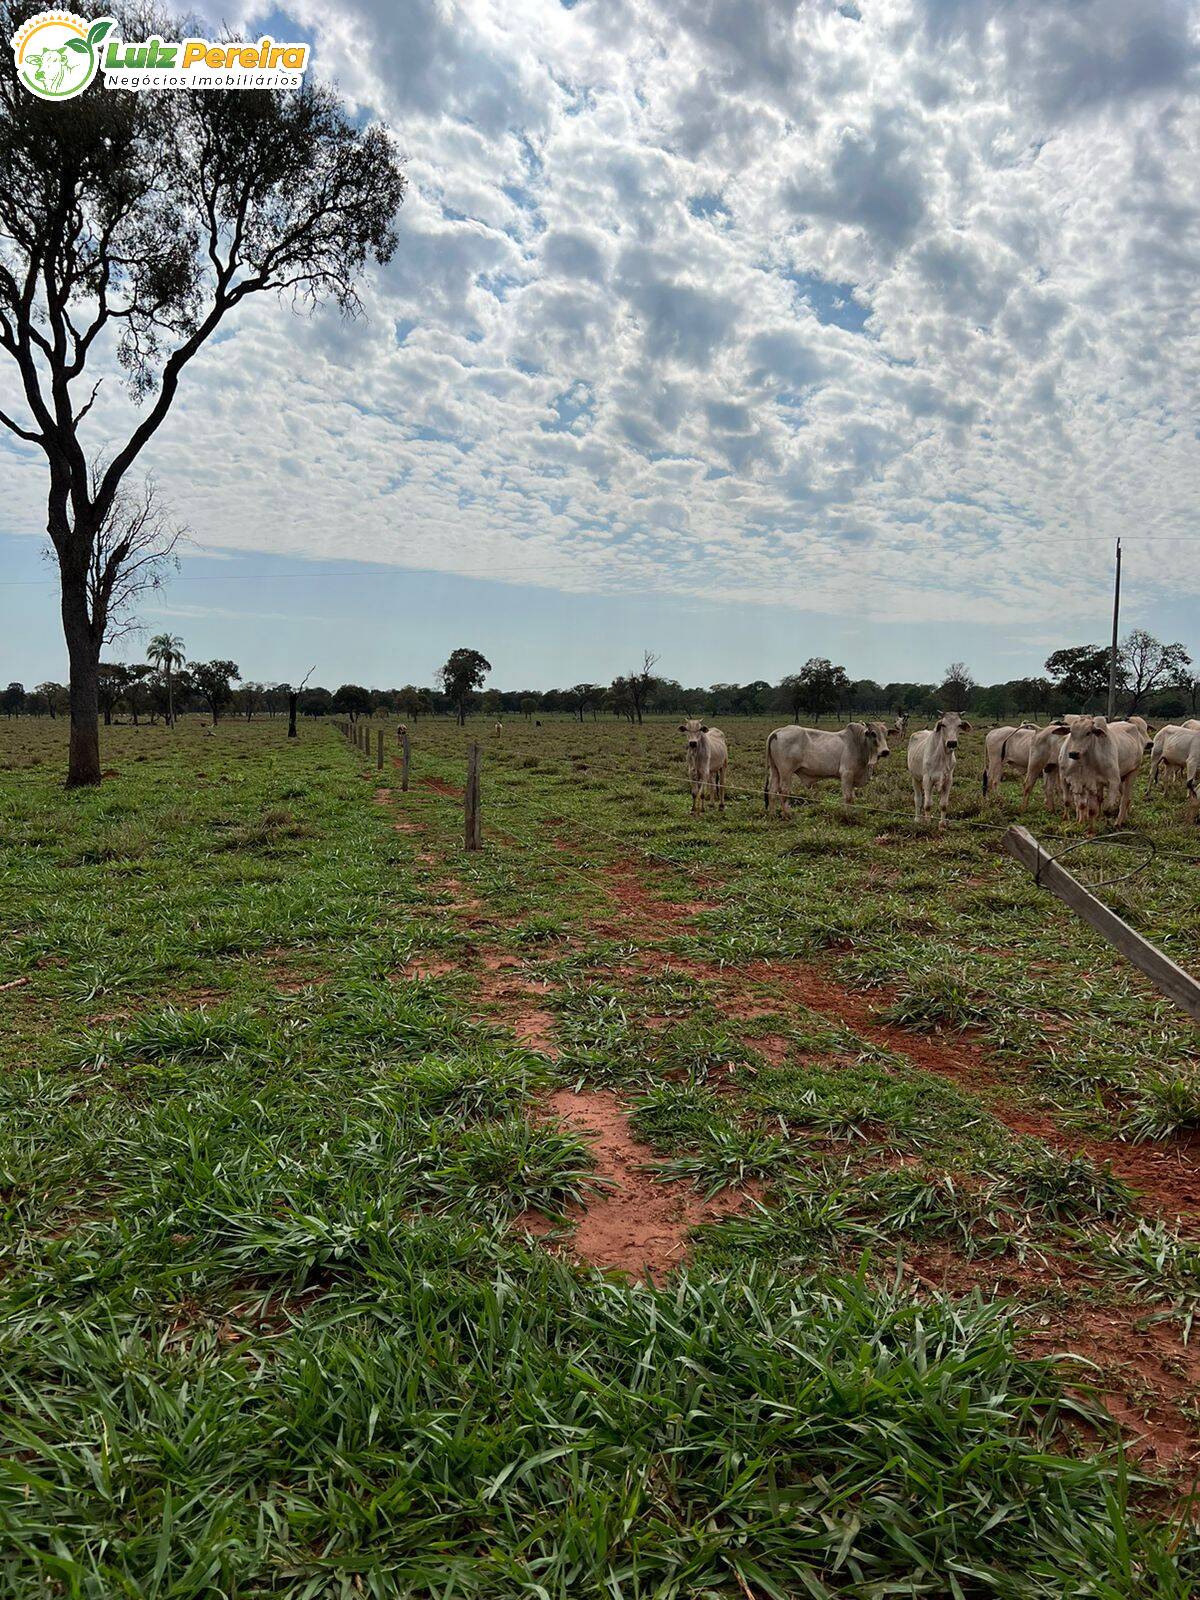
707	759
900	724
811	754
401	730
1097	766
1004	748
499	728
932	753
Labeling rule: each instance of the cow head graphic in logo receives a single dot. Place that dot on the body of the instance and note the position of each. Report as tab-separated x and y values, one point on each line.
58	53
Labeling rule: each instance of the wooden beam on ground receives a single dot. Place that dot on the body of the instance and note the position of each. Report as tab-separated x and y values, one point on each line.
1178	986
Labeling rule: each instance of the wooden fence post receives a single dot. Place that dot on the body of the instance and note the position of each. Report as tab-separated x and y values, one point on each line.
406	747
471	799
379	749
1178	986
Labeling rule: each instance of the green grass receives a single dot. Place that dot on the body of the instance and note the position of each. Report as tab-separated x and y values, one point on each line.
270	1325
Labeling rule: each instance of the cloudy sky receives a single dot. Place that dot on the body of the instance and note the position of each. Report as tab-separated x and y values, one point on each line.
745	330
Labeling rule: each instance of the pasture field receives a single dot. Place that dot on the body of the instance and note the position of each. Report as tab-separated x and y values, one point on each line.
644	1206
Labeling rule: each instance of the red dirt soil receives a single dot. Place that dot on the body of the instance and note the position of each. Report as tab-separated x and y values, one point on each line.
1166	1176
636	1226
440	786
1148	1379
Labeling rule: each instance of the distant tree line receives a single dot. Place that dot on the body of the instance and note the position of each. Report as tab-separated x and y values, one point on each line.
1153	678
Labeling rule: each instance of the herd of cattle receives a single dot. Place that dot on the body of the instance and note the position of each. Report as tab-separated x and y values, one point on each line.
1087	764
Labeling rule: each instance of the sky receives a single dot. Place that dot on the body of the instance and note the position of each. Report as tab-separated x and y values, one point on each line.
739	330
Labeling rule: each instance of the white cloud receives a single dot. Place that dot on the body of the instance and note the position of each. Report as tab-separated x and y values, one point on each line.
886	309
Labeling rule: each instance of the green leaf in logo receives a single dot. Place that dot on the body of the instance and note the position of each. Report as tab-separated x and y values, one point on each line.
78	44
98	29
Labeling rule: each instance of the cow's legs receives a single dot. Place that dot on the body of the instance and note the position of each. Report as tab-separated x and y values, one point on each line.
916	800
1126	799
943	803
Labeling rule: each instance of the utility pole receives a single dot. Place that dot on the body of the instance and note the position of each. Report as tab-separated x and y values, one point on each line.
1112	655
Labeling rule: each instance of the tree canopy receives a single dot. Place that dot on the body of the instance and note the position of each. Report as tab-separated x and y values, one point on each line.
134	224
461	675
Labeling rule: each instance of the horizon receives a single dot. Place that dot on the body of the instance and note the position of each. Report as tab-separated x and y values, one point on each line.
216	616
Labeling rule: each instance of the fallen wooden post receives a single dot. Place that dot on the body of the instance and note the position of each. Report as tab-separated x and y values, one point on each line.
1178	986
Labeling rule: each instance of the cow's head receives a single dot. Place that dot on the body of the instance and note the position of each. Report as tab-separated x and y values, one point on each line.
878	731
1083	734
950	724
693	727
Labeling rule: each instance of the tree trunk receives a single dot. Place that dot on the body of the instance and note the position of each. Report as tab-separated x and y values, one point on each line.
293	699
170	699
83	650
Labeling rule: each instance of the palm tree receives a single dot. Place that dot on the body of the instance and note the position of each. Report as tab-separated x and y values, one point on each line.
166	652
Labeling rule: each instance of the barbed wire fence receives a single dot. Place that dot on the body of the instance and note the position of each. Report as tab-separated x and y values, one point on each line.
513	815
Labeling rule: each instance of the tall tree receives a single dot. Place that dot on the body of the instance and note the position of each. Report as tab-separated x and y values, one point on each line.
821	686
957	687
642	684
463	673
112	680
1080	673
144	220
50	697
165	650
13	699
1149	665
353	700
582	696
136	690
215	681
293	700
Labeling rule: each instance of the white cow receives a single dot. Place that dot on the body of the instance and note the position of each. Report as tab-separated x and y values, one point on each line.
1045	748
1004	748
1172	745
707	759
881	731
1192	776
1098	763
931	756
810	754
